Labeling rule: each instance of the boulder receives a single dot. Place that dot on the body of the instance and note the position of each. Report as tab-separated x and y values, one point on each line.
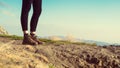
3	31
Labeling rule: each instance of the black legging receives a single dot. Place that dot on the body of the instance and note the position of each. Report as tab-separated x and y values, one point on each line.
26	6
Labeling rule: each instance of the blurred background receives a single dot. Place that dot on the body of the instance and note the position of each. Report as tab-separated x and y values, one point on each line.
81	19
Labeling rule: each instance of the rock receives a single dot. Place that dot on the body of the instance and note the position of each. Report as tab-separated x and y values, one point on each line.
118	57
100	63
30	48
3	31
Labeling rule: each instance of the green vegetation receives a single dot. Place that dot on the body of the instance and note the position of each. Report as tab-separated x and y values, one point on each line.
14	37
64	42
48	41
51	66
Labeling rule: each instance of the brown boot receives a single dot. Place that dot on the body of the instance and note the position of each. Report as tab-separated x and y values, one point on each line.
28	40
36	39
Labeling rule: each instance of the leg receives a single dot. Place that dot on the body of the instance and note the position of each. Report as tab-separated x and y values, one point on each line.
26	5
37	8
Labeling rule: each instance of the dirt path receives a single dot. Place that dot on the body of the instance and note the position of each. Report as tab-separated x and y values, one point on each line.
15	55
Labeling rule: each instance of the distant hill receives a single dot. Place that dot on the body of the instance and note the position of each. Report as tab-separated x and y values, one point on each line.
99	43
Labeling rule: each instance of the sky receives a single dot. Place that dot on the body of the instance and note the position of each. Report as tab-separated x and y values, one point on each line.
84	19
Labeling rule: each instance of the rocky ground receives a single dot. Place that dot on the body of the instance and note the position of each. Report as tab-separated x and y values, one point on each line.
15	55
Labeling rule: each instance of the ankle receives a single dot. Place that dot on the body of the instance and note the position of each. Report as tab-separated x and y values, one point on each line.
25	32
32	33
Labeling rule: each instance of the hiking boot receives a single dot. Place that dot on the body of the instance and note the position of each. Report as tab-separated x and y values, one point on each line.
28	40
36	39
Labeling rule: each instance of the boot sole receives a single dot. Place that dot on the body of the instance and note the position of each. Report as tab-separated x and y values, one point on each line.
28	44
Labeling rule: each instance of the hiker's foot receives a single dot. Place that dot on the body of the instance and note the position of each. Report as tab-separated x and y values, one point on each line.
28	40
34	37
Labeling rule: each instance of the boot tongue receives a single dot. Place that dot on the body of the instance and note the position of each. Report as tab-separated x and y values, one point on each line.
33	35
